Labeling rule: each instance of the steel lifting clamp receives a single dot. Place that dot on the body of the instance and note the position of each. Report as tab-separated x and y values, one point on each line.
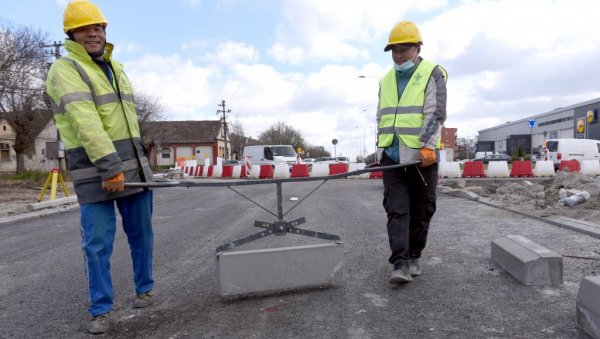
279	227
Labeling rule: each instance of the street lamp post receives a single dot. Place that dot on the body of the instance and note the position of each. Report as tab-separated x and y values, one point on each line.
363	143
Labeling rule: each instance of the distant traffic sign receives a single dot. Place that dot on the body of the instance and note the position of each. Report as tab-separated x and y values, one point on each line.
531	123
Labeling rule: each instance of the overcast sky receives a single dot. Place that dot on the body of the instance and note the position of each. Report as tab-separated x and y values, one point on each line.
299	61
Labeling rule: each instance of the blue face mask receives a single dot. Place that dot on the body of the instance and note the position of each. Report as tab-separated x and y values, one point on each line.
405	66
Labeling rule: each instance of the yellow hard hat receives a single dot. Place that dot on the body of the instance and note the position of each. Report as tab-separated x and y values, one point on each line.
405	32
81	13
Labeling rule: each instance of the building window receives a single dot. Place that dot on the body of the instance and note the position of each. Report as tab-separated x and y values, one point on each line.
4	152
166	153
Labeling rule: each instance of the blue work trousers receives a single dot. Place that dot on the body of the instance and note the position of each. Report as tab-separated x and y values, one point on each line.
410	205
98	226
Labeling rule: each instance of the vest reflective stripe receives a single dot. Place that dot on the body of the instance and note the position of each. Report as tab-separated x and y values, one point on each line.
83	96
92	172
402	110
127	97
404	116
107	99
69	98
400	130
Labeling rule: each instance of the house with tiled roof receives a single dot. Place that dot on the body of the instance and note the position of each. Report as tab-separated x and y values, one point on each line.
41	131
173	141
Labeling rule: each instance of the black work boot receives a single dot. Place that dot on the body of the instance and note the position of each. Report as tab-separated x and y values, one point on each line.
400	274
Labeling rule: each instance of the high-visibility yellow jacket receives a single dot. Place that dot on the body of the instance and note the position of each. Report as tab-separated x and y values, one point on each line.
97	123
404	116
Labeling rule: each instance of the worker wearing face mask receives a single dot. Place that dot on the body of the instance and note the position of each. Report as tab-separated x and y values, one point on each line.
410	115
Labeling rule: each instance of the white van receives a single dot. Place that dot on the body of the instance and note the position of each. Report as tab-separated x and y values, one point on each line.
556	150
271	155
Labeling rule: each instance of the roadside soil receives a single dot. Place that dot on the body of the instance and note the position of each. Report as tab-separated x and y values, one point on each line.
16	195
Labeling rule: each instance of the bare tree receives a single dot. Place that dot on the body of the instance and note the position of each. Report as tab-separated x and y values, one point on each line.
148	108
237	137
316	152
282	134
23	69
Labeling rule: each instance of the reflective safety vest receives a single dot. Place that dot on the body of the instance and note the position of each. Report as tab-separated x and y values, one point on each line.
97	122
404	117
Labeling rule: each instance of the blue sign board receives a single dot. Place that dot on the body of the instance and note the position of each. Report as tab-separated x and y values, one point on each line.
531	123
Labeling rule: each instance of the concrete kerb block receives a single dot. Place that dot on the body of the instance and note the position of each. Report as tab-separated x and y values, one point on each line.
277	269
588	306
52	203
461	193
529	262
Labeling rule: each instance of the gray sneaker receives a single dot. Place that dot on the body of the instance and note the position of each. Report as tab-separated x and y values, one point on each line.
143	300
99	324
400	276
414	268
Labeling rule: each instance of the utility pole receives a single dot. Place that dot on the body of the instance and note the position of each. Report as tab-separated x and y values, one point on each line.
56	53
224	111
56	45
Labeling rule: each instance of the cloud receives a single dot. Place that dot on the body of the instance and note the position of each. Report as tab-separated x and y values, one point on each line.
505	62
314	30
230	52
192	3
182	86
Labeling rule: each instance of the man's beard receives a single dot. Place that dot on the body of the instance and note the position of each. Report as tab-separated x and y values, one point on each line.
100	53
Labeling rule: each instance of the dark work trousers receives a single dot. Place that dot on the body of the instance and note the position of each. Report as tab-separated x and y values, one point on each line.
410	205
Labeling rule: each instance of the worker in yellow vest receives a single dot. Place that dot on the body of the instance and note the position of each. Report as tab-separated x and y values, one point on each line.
94	110
410	115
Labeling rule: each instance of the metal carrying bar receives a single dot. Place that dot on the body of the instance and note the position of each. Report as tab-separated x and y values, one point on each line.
280	226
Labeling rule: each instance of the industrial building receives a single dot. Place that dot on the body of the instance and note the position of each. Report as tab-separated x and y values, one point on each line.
528	134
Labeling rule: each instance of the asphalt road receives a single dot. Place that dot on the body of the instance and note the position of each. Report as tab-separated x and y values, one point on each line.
461	294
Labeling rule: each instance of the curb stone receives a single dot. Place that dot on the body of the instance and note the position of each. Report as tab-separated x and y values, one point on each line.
38	214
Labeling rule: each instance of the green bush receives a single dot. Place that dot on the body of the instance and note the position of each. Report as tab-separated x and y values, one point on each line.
31	175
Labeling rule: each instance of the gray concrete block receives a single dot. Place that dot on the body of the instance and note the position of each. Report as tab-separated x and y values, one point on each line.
52	203
273	269
529	262
588	306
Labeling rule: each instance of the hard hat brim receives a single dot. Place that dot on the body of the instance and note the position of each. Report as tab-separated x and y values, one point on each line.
390	46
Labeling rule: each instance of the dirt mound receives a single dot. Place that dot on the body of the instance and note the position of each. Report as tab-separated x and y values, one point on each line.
542	198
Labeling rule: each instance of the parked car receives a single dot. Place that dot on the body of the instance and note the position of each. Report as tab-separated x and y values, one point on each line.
231	162
308	160
325	160
495	157
343	159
